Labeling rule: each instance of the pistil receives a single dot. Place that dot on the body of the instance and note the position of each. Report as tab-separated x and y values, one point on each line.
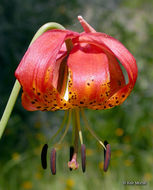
72	164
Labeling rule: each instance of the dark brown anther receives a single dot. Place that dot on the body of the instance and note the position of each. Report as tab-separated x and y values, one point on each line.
71	154
44	156
107	155
53	161
83	157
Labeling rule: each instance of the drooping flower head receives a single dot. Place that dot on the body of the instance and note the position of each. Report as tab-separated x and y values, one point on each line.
66	70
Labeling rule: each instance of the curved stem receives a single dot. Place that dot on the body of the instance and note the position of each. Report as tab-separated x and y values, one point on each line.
17	86
9	107
46	27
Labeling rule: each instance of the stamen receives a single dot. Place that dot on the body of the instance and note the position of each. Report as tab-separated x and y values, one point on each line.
83	157
90	130
61	127
44	156
53	161
66	129
78	125
72	164
107	155
71	154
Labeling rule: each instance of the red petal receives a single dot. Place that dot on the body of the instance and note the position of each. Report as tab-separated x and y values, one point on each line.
111	46
94	76
87	28
39	67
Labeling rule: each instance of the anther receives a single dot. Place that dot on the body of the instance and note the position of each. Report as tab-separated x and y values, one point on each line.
107	155
53	161
83	157
44	156
71	154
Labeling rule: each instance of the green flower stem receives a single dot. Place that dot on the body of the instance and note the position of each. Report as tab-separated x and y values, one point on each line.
45	27
17	86
9	107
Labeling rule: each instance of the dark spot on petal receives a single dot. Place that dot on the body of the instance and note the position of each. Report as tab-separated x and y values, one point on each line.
38	93
110	105
81	102
107	93
55	104
38	107
123	96
117	102
70	92
64	104
104	107
33	102
88	84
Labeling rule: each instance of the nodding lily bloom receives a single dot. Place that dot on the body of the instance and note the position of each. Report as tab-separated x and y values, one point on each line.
66	70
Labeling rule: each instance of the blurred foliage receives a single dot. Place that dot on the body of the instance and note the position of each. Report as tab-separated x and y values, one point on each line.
128	128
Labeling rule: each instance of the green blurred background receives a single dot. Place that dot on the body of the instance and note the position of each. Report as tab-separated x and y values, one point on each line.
128	128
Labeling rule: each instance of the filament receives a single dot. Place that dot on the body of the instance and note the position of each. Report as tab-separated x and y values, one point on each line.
90	130
78	125
66	129
61	126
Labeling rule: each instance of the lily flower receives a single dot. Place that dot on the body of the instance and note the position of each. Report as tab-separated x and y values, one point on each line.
66	70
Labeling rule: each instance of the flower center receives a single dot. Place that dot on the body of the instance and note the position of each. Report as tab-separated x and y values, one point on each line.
73	115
